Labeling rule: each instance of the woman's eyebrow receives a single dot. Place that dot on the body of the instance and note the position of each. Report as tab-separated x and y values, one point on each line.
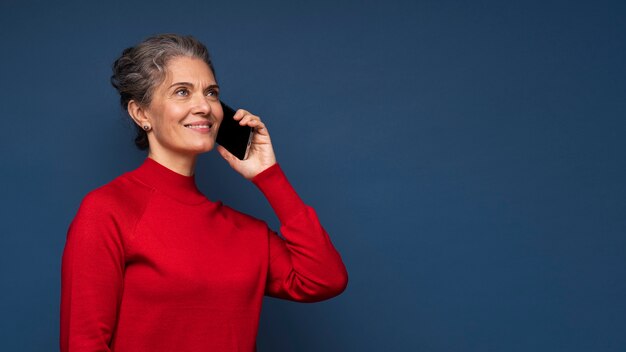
180	84
188	84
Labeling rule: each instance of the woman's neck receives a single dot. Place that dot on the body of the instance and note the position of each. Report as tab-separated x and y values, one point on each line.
181	164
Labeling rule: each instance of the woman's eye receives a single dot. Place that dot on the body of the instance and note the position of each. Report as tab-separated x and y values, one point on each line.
182	92
212	93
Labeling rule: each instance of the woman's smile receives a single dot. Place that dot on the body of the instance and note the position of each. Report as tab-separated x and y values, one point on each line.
201	126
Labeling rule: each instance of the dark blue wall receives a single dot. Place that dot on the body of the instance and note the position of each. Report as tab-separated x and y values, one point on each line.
467	158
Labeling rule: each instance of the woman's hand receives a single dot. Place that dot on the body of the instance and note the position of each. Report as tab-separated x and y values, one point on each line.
261	154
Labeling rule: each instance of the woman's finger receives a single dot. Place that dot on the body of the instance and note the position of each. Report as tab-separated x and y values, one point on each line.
259	127
228	156
240	114
245	118
244	121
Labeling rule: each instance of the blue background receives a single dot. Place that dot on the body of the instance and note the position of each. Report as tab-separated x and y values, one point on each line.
467	158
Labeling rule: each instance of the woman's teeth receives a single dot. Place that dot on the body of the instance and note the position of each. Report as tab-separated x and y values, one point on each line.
198	126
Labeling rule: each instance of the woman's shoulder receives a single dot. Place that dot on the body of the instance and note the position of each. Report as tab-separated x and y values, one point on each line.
123	192
113	209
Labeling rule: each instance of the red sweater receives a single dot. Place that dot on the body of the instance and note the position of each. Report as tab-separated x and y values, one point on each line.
150	264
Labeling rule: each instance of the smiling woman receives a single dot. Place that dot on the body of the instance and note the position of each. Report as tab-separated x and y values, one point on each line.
184	113
151	264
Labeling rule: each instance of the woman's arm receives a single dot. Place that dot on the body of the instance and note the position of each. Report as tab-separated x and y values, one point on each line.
304	266
91	279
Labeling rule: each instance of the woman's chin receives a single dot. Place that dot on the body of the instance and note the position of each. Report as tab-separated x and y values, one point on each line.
202	148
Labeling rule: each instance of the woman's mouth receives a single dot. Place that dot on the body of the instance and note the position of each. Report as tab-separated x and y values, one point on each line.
200	126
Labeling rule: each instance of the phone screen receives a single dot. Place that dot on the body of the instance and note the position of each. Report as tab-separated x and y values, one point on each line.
232	136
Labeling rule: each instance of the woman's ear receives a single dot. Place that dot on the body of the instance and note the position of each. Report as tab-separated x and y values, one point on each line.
138	114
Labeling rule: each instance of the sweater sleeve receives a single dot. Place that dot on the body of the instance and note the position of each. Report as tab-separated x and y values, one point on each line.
91	278
304	266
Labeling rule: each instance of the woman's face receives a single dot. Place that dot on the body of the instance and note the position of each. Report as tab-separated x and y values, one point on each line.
185	110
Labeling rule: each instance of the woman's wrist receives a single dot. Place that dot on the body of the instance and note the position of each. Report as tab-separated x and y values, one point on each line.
279	193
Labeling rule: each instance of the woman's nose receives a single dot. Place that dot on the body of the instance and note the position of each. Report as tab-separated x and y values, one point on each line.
201	105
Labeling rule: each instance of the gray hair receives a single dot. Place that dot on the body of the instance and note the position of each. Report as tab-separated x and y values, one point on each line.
141	68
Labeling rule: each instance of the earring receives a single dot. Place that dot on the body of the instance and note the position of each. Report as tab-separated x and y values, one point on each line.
146	128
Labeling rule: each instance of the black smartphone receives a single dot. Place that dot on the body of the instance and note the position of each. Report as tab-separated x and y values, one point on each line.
232	136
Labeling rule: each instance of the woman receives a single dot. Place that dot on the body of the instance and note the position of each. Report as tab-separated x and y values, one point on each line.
150	264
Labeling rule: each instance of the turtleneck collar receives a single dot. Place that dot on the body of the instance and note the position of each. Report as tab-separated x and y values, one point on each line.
180	187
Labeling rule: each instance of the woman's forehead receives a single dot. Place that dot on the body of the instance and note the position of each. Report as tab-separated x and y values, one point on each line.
189	70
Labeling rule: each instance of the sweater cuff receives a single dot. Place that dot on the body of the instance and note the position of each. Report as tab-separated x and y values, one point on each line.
279	192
